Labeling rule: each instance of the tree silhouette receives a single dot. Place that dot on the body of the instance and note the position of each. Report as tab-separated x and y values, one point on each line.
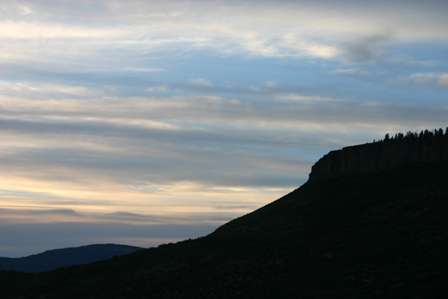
422	136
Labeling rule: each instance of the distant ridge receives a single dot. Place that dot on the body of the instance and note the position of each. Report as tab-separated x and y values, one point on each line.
58	258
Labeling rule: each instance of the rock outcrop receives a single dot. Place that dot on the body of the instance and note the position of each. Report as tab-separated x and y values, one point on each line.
381	156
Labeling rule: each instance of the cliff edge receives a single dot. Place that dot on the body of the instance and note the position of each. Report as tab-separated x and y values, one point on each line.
384	155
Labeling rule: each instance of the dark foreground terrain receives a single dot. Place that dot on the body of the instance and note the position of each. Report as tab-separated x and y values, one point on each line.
351	231
58	258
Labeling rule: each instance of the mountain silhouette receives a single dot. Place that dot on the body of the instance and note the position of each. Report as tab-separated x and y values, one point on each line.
58	258
370	223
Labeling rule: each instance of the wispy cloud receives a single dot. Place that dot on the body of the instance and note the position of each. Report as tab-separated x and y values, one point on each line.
30	30
201	82
350	72
440	79
366	49
345	31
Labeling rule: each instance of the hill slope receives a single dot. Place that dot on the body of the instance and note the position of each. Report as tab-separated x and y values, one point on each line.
361	234
53	259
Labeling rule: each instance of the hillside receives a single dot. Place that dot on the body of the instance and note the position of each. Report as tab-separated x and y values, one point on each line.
353	232
53	259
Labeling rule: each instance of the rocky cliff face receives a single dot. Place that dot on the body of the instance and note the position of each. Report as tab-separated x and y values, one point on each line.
381	156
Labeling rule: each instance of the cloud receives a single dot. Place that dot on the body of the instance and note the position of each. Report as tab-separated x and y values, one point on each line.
303	47
201	82
366	49
347	31
350	72
143	69
42	215
27	30
157	88
44	89
443	80
440	79
211	141
190	157
292	97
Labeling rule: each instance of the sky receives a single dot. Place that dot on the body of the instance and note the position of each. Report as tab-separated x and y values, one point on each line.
146	122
